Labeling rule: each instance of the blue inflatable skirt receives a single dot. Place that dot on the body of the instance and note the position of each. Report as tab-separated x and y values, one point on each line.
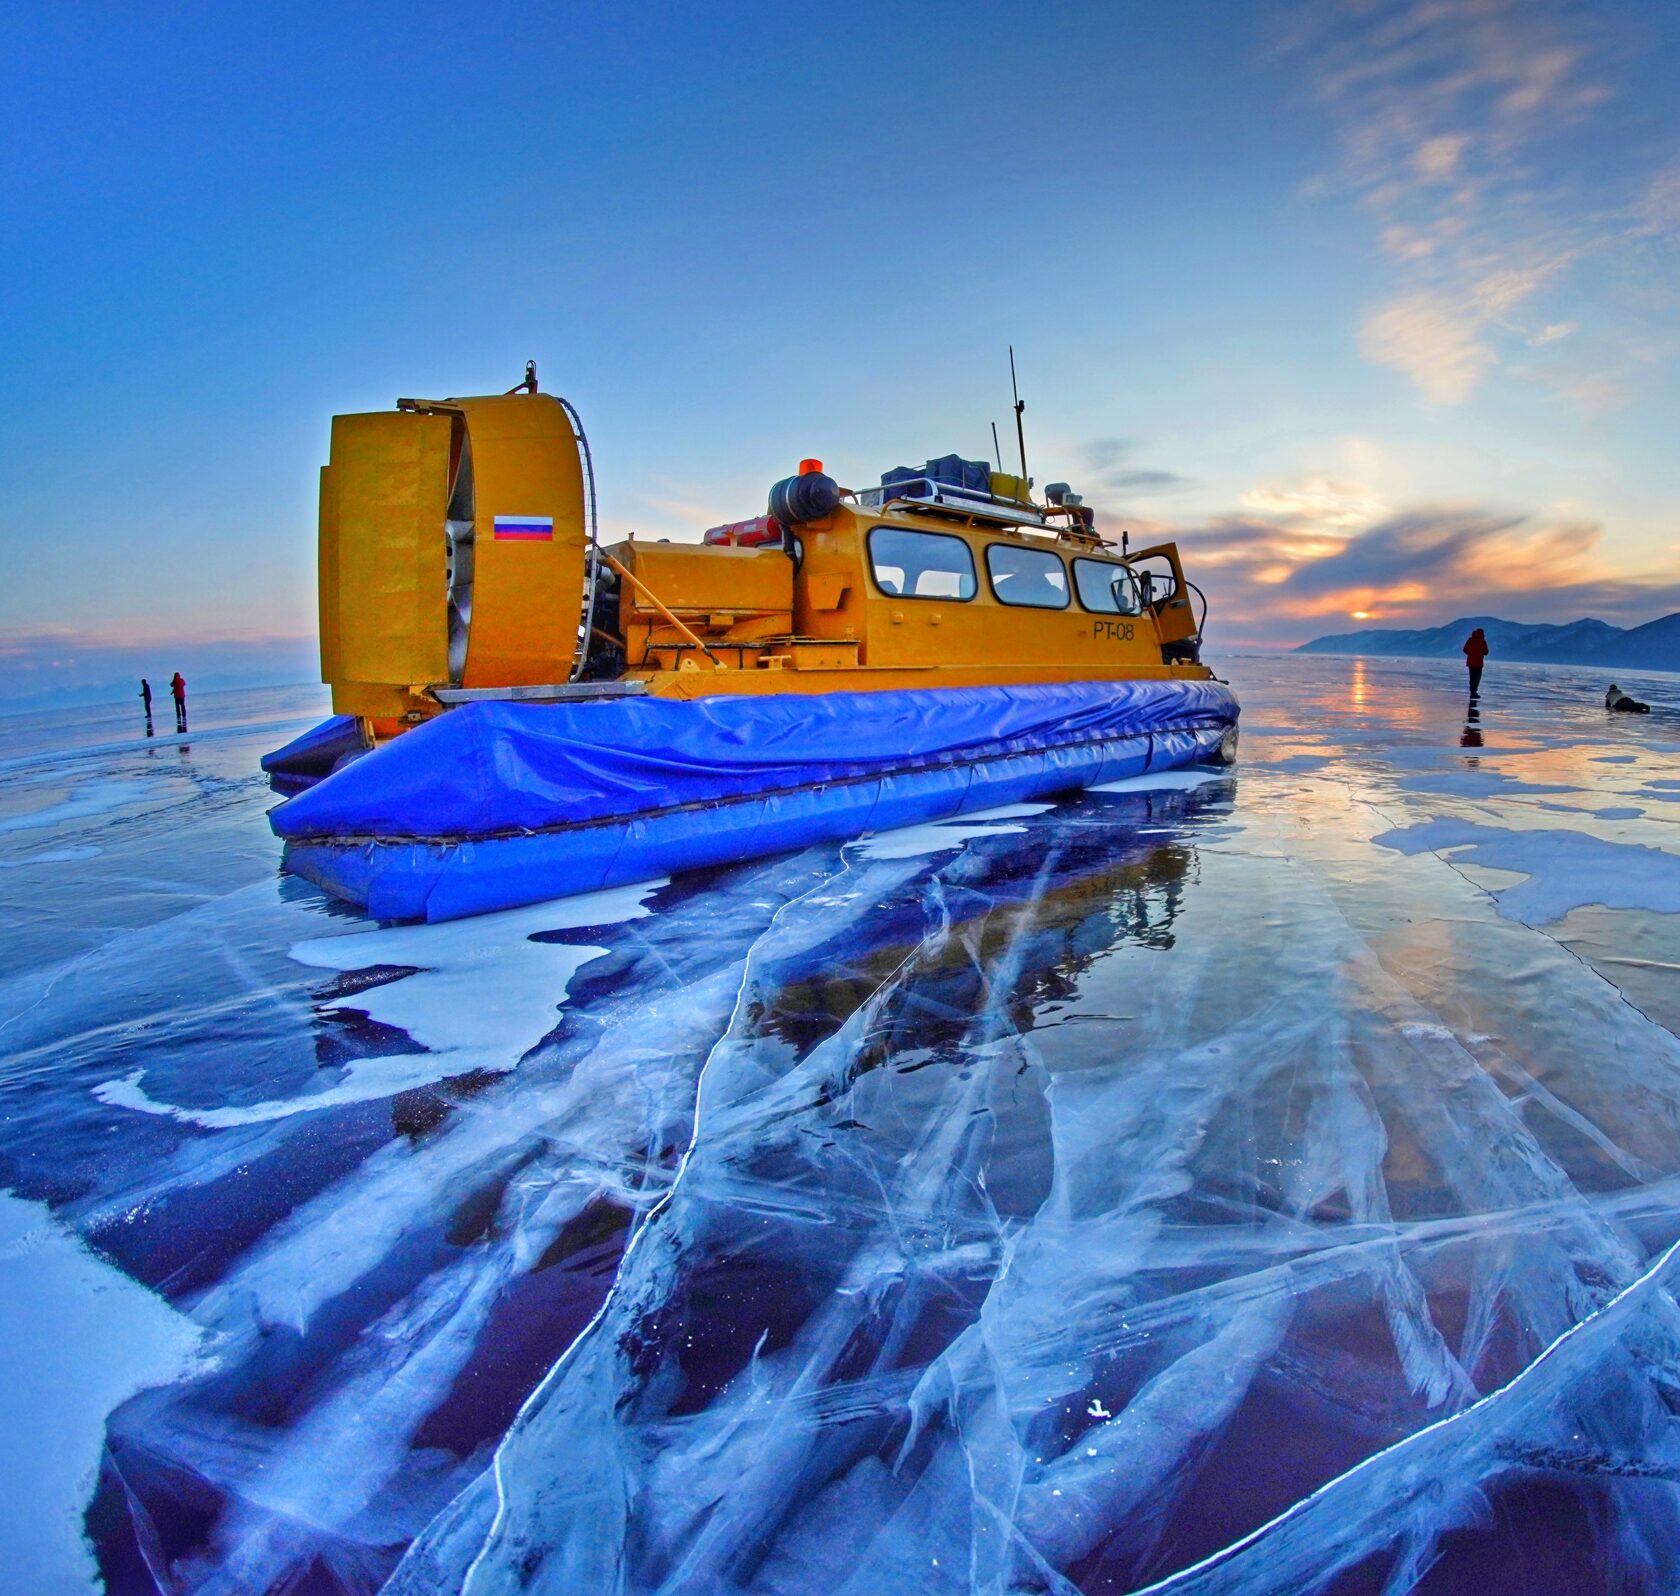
493	805
315	755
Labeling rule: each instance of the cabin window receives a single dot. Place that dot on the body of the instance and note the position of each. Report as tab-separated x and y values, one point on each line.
1157	582
930	565
1106	589
1035	578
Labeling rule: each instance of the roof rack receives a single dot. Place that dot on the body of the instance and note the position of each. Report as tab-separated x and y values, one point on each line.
926	496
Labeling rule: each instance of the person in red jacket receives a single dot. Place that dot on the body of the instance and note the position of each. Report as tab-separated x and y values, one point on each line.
1475	654
178	691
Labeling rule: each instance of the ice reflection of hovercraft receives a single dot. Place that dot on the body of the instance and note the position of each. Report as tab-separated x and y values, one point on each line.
1049	902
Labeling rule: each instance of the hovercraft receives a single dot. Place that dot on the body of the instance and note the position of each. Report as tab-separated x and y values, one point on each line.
523	714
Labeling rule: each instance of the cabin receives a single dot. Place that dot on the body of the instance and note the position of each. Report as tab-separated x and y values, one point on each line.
921	582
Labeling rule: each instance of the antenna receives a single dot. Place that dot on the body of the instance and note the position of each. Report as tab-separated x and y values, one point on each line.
997	448
1020	405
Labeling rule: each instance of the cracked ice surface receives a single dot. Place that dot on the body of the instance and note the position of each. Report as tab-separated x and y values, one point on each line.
1233	1183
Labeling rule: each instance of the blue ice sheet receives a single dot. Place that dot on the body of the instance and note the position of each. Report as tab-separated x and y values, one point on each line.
1238	1182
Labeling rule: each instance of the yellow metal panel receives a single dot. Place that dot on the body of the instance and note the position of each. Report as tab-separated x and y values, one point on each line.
711	579
1005	486
327	578
830	599
815	656
705	683
824	591
527	594
383	551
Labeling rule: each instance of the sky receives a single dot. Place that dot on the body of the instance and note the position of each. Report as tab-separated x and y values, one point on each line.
1375	306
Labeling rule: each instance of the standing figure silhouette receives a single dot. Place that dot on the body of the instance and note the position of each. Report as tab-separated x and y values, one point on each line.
1475	654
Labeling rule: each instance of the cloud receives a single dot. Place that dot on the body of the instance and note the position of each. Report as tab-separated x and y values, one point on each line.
1404	244
1461	549
1437	158
1659	206
1294	566
1319	502
1103	454
1430	342
1141	482
1496	295
1106	459
1460	122
1595	393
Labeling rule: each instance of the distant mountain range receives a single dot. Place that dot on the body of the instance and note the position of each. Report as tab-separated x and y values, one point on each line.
1652	647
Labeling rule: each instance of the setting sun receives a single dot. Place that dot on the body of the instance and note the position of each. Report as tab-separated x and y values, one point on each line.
1360	615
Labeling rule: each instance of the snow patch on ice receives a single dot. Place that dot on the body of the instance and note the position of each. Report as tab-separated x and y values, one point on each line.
80	1338
1293	764
93	798
1167	780
482	994
364	1081
1481	783
912	842
51	856
1565	869
1597	814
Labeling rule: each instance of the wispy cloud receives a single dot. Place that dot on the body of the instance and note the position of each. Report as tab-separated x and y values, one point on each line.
1456	118
1459	550
1658	210
1425	337
1109	462
1317	503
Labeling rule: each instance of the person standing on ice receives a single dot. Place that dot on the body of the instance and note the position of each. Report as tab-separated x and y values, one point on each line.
146	699
1475	654
178	691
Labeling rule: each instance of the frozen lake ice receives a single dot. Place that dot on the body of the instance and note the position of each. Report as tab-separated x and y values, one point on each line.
1251	1183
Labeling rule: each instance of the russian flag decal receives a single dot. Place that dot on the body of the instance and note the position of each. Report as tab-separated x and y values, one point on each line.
525	528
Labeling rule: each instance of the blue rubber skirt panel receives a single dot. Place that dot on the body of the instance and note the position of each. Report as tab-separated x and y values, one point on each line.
311	758
492	806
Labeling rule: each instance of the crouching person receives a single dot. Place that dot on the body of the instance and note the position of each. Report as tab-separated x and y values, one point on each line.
1618	700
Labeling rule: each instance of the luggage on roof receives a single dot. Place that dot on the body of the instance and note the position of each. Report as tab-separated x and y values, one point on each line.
949	471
